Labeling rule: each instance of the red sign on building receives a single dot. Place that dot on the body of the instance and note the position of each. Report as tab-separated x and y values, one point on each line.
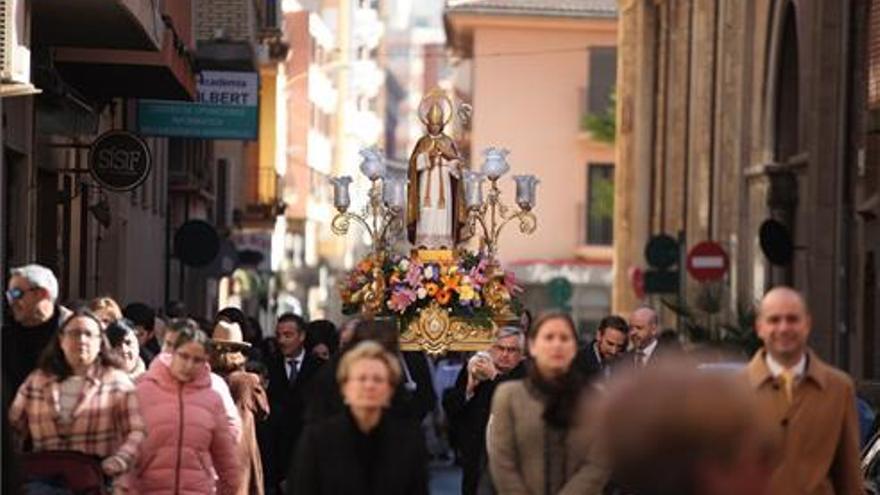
707	261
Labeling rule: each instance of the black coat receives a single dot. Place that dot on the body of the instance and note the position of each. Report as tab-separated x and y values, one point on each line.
587	362
468	420
335	458
412	401
22	346
288	403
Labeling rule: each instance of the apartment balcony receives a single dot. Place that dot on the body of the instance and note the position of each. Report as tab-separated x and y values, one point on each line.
114	24
321	90
121	64
366	126
320	210
320	152
368	28
367	78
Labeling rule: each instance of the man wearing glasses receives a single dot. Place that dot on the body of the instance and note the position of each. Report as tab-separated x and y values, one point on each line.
31	294
469	402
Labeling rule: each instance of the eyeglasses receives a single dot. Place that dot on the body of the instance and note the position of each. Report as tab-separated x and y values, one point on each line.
76	333
507	349
15	293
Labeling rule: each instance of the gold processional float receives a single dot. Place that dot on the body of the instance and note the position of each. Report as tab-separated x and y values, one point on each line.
443	296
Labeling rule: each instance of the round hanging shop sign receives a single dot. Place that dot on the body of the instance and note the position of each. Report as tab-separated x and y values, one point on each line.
119	160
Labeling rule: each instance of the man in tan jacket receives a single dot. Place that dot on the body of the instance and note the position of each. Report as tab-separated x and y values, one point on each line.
811	404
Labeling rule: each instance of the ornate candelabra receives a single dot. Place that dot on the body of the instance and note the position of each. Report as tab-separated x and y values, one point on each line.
382	216
492	215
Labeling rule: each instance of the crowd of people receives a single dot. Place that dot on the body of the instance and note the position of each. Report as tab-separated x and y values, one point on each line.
138	401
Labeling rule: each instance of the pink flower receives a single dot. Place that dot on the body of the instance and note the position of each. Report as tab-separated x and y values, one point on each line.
401	299
478	273
414	275
510	283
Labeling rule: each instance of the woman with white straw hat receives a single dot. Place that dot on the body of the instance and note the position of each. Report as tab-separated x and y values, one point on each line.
228	361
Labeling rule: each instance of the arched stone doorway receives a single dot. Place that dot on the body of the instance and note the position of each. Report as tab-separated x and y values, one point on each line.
786	175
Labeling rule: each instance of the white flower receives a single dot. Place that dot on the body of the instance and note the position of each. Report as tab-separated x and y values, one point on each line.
404	264
421	293
428	272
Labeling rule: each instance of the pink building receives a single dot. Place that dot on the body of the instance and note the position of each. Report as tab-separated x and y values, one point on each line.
533	70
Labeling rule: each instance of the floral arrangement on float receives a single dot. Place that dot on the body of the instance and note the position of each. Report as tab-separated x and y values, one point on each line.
443	295
461	287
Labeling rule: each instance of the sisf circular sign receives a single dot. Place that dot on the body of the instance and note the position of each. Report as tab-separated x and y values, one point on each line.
119	160
707	261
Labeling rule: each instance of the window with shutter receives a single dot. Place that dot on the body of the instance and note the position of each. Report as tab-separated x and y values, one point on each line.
602	72
600	204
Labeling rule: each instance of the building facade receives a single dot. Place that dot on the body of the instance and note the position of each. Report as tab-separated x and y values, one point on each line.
76	77
533	71
311	101
735	113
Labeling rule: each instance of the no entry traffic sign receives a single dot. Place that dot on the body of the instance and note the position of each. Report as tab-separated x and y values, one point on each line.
707	261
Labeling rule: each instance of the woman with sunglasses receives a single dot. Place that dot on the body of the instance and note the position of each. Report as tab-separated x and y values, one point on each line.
189	438
78	399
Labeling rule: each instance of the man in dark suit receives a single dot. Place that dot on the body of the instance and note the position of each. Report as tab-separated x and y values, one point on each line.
290	373
596	359
649	344
469	402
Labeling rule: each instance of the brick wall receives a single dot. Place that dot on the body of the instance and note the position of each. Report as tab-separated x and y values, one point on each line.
237	18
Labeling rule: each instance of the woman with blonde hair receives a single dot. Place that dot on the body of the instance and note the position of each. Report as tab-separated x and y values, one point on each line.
362	450
106	309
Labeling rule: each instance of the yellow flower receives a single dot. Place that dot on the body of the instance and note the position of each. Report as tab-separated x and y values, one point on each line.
466	292
432	289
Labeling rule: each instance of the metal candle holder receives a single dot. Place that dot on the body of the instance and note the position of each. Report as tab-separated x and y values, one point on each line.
382	217
492	215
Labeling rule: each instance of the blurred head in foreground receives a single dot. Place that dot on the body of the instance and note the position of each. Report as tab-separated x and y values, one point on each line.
679	431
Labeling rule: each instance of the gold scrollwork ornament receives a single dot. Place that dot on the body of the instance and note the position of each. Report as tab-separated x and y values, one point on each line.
435	332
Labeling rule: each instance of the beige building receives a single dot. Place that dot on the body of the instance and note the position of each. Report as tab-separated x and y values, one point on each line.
533	70
311	101
734	113
88	66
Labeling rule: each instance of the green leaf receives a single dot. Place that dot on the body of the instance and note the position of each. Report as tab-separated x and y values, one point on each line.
603	126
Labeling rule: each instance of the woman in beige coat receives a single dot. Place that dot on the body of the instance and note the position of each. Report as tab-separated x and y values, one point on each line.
536	439
228	361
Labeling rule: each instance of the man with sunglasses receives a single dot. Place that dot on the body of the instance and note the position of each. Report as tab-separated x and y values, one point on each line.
31	294
469	402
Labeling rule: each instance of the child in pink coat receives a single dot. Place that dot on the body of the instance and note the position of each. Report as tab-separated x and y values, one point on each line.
189	448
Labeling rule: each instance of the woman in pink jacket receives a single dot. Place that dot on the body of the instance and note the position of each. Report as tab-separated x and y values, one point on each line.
189	448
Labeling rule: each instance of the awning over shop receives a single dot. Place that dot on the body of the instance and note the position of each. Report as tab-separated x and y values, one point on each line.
118	24
167	74
120	48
